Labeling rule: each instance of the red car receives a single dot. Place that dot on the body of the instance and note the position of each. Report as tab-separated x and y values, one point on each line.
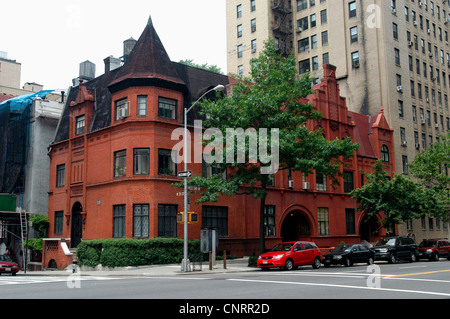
288	255
7	265
433	249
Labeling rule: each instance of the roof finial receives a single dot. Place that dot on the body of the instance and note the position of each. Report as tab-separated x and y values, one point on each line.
150	22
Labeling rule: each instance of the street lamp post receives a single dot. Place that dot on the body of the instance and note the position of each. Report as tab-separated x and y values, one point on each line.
185	265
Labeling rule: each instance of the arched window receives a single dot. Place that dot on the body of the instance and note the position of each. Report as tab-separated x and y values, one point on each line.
384	153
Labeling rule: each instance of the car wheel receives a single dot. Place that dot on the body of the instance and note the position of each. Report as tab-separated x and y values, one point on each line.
14	273
434	257
370	261
392	258
412	257
317	263
289	265
448	257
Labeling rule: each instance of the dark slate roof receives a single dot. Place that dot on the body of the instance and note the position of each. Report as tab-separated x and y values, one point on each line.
147	65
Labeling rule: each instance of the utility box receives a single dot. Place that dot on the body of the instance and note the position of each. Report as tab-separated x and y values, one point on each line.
206	240
8	202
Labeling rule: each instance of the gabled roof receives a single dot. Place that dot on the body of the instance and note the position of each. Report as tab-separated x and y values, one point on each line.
148	60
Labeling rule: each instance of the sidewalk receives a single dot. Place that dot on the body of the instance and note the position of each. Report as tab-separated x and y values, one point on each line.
233	265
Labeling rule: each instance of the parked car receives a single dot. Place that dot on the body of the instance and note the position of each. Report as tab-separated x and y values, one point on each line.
396	248
433	249
289	255
347	255
7	265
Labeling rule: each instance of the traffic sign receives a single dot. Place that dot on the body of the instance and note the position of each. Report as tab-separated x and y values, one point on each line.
185	174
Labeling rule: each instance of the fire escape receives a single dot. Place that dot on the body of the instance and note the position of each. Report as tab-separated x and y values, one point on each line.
282	25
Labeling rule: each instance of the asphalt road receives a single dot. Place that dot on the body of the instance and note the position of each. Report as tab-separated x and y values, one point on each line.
420	280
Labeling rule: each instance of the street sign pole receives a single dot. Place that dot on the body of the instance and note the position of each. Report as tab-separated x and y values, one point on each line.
185	264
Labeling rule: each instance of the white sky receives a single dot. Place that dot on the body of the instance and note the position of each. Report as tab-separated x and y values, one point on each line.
50	38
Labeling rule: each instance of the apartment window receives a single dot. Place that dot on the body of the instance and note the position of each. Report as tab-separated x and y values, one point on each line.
140	221
326	58
322	217
121	109
405	164
323	17
424	141
313	20
239	31
304	66
348	181
414	113
400	109
142	105
167	108
118	221
120	163
253	25
355	60
60	175
269	220
141	161
324	38
239	11
253	5
315	63
302	5
352	9
80	124
239	51
395	30
314	42
321	182
303	45
59	222
354	34
385	154
303	23
350	221
403	135
166	165
253	44
397	56
167	220
216	217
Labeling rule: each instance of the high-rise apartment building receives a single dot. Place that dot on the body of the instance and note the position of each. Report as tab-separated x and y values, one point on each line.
392	54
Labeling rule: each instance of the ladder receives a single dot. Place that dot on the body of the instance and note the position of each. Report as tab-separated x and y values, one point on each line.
23	231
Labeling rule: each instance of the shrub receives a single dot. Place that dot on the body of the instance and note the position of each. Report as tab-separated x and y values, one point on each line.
136	252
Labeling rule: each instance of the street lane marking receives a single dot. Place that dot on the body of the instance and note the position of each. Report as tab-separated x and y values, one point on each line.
344	286
414	274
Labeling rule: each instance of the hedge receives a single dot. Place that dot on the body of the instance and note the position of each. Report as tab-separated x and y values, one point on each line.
136	252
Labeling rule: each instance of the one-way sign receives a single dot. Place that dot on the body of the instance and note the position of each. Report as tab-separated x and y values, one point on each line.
185	174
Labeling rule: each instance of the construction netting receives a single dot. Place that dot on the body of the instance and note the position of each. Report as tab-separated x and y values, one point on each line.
15	121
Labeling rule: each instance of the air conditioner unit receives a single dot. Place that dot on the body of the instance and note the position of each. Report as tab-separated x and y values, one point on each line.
306	185
291	183
423	121
394	11
420	4
429	31
410	43
123	113
355	65
436	125
299	29
416	23
404	143
253	50
400	88
430	54
417	146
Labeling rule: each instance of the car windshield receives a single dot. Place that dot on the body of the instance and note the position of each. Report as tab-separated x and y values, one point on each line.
5	258
282	247
385	242
342	248
428	243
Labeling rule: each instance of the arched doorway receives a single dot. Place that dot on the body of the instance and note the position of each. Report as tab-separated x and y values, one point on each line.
295	227
77	225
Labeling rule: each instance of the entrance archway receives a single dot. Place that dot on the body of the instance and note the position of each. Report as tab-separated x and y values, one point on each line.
77	225
369	229
295	227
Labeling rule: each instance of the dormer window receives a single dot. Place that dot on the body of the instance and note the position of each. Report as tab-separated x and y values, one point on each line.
80	124
122	110
167	108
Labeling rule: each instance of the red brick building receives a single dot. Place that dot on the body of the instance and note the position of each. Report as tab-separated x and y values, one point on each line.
111	170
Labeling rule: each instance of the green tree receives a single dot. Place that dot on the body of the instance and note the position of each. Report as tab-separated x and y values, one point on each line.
268	99
399	198
205	66
431	168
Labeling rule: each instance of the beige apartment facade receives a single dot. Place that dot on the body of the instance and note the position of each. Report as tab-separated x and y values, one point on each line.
10	71
390	54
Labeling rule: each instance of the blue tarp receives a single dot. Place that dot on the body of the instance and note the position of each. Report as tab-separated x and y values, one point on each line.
20	103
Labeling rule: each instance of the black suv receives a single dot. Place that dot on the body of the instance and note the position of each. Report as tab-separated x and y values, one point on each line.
395	248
